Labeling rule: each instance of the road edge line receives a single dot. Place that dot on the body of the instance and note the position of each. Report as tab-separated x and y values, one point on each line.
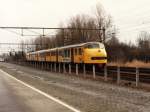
41	92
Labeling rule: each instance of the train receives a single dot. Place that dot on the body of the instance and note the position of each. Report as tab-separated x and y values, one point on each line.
84	53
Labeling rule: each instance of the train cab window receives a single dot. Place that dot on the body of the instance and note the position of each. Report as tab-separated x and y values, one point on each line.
92	46
102	45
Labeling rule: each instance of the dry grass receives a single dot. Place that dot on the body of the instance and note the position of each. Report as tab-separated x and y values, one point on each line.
134	63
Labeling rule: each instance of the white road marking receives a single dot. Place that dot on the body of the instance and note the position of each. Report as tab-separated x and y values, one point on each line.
43	93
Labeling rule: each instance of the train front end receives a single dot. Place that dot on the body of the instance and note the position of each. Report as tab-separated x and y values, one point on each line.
95	53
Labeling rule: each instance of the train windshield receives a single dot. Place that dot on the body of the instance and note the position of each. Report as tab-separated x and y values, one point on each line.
94	45
101	45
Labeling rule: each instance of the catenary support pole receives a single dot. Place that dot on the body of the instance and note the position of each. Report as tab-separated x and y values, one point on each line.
118	75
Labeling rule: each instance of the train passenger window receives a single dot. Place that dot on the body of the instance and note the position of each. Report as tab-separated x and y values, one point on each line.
61	53
68	52
76	51
47	53
43	54
53	53
65	53
80	51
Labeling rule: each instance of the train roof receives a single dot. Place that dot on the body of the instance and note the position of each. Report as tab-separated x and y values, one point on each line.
77	45
59	48
71	46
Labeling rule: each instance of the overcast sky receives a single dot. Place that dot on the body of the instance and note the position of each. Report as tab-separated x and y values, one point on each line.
130	16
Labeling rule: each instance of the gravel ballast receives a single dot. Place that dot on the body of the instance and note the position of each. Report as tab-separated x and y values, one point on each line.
84	94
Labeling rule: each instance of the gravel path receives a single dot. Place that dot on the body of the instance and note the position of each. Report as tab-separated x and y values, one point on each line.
84	94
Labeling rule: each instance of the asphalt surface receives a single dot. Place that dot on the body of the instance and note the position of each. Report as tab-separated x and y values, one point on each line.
84	94
15	97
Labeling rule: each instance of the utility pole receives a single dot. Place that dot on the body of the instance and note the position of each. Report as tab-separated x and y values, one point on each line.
104	35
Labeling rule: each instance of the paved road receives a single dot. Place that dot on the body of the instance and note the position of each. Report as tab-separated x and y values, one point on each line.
15	97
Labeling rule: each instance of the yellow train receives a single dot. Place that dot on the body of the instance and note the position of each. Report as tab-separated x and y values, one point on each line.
88	53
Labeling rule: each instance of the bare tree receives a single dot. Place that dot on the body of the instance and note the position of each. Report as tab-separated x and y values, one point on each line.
143	43
103	21
144	40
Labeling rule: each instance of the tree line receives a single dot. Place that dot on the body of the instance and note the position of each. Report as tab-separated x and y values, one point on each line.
117	51
128	52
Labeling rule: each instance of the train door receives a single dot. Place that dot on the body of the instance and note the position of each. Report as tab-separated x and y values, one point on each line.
80	53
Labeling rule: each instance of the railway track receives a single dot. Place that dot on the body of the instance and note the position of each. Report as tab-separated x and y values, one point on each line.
115	73
129	73
126	73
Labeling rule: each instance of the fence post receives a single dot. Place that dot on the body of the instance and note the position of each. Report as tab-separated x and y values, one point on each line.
51	67
84	70
54	67
118	74
94	76
33	64
105	73
69	68
47	65
42	65
64	68
77	72
59	67
137	76
36	64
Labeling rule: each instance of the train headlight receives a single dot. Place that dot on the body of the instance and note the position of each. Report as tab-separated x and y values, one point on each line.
99	50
